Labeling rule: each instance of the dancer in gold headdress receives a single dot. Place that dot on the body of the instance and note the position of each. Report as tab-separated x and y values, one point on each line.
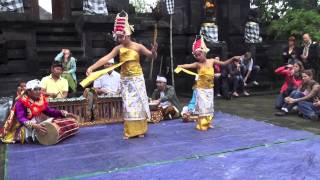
133	90
204	83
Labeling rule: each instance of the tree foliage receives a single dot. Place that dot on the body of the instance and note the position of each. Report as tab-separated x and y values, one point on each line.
297	22
273	9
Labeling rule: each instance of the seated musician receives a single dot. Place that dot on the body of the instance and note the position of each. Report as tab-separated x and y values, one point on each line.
109	83
166	96
189	110
54	85
27	114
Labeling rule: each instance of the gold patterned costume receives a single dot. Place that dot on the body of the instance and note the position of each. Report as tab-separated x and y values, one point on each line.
204	98
133	90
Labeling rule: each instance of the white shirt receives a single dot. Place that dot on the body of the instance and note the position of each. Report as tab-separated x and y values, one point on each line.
109	83
166	103
248	64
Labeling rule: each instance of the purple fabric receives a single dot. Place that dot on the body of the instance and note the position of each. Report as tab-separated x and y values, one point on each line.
21	112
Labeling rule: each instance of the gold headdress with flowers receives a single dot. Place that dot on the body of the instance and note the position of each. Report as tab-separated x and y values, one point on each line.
121	25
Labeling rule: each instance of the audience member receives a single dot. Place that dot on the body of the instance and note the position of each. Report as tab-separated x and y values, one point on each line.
54	85
69	68
293	80
310	109
237	79
308	53
289	54
307	90
248	70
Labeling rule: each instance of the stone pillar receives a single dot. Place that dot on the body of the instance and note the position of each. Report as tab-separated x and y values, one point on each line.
61	9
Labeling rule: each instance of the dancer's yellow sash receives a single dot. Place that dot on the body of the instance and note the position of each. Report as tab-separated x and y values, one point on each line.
95	75
179	69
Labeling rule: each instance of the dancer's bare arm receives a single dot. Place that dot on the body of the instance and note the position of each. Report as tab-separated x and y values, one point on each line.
102	61
189	66
149	53
235	58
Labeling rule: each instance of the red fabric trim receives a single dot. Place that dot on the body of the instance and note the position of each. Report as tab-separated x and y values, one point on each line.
35	107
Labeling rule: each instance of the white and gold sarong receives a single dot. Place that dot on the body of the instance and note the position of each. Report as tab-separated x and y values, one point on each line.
136	110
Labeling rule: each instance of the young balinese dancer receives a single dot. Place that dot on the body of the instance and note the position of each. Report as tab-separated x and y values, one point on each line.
204	83
133	90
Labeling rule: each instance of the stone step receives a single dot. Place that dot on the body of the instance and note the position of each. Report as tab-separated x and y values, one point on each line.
58	49
54	38
75	43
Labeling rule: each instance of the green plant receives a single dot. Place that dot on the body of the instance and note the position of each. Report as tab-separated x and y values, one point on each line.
271	9
296	22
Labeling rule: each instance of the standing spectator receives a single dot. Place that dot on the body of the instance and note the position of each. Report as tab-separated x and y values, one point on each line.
306	92
248	70
289	53
292	75
11	6
54	85
237	79
93	7
69	68
308	53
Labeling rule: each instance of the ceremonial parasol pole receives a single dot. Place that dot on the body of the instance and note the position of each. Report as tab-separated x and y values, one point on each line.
171	52
155	35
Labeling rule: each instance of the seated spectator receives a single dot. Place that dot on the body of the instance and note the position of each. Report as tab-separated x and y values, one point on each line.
248	70
167	98
54	85
11	6
289	54
108	83
237	79
310	109
69	68
93	7
307	90
293	80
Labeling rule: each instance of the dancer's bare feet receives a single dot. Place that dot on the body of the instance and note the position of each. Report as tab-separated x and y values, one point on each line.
141	136
125	137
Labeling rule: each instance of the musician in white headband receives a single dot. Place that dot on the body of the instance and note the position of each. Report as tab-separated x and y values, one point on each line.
27	114
166	96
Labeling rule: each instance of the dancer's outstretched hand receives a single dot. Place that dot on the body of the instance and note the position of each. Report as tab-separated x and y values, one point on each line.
89	71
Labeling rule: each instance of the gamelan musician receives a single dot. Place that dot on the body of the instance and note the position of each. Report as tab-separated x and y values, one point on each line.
27	122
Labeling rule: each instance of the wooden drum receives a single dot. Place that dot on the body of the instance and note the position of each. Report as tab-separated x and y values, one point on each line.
57	130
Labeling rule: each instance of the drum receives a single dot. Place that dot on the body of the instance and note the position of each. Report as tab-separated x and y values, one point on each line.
153	105
156	115
57	130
